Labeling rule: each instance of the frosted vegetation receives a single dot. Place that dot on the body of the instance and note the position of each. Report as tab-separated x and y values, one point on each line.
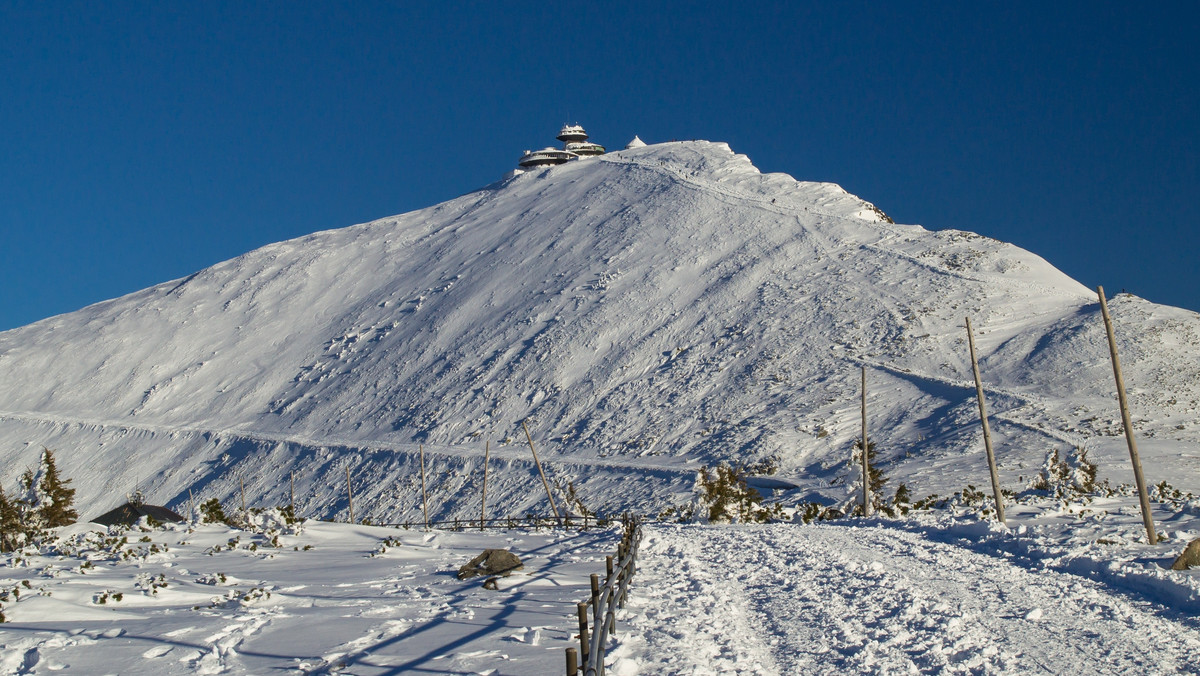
683	336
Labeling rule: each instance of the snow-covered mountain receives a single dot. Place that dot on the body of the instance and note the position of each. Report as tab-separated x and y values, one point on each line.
647	312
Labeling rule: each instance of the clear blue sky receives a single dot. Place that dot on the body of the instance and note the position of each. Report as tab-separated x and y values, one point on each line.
142	141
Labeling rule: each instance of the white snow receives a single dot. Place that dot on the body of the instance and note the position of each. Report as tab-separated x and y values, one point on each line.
331	598
647	312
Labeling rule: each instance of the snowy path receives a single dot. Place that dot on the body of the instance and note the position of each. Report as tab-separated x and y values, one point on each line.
831	599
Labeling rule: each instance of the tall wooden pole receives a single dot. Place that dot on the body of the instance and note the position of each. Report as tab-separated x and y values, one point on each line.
349	494
487	451
424	497
987	433
292	494
1127	422
866	466
242	483
543	474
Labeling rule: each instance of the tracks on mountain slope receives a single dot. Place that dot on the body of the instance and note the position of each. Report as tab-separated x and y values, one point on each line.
518	452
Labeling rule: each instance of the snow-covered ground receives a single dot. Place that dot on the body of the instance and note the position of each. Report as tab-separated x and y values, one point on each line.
331	598
869	598
647	312
1065	588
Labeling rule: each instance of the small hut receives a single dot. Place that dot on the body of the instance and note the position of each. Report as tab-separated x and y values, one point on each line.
134	509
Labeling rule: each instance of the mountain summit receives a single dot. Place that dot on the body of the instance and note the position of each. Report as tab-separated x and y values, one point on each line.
645	311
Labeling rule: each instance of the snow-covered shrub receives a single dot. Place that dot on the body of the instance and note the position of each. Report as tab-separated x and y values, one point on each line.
1074	477
877	477
722	495
815	511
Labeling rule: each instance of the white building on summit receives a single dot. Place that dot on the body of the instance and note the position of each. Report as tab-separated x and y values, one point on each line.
575	146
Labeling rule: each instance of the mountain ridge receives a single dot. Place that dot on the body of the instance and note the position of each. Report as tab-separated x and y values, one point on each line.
667	305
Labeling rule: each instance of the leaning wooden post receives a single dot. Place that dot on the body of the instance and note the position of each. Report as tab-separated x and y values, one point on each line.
487	451
349	494
540	472
987	433
424	497
866	465
1127	422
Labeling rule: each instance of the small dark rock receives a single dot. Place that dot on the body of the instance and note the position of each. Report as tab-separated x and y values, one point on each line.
491	562
1190	558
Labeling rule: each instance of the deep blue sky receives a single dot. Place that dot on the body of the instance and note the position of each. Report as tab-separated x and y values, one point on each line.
140	142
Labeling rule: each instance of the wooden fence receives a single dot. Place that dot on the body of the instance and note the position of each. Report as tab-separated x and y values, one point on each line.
603	604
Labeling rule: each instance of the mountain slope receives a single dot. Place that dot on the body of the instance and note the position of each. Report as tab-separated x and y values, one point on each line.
647	311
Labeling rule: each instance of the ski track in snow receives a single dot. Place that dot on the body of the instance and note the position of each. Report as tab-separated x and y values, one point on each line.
832	599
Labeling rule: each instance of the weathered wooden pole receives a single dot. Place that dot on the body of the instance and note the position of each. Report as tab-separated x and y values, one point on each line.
487	451
987	433
349	494
866	465
292	493
572	662
242	483
424	496
1151	535
191	503
581	610
540	472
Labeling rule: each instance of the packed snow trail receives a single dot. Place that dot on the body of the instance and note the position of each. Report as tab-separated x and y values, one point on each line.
835	599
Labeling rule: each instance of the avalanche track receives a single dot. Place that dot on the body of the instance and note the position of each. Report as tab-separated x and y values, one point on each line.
827	599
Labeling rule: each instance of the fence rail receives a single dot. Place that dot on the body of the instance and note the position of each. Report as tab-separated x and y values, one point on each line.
528	521
603	604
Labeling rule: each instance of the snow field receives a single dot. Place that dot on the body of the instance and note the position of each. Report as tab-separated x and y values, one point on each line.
332	598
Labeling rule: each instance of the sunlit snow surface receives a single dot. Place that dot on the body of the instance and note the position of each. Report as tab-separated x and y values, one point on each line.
647	312
332	598
1069	589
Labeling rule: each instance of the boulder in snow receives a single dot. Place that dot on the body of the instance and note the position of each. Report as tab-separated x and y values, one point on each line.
1189	558
491	562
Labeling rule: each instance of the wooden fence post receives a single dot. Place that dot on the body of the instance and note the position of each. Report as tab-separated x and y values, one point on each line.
350	494
581	609
866	466
987	433
424	497
572	662
487	451
242	483
1144	499
540	472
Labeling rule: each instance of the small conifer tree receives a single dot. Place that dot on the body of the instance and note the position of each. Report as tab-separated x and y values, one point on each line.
56	507
212	512
10	524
